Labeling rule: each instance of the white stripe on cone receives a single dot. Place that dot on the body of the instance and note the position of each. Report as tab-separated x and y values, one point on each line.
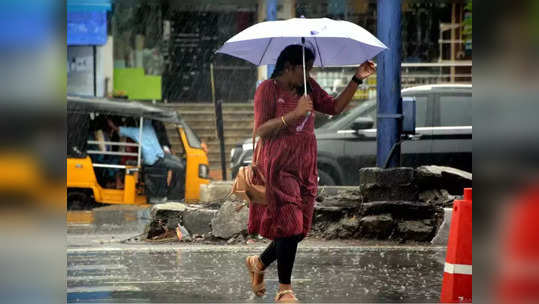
458	268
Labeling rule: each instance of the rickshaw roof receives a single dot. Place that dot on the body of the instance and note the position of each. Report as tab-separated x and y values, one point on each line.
76	104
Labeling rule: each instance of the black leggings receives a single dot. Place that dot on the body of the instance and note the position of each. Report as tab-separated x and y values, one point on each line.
284	251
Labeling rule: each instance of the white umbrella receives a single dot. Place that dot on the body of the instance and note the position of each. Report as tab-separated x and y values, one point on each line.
335	42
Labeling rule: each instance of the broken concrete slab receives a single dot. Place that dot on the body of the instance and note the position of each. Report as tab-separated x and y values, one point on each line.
440	177
437	197
440	171
166	217
333	190
376	227
345	198
386	177
376	192
169	214
325	215
371	210
400	209
377	184
167	207
331	231
349	225
198	221
420	231
229	222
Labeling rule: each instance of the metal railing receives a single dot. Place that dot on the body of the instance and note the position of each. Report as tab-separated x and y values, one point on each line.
113	143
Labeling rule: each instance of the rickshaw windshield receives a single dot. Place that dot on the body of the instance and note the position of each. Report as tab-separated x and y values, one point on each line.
192	138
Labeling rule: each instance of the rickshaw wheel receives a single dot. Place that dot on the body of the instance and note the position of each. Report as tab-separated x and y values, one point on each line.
78	200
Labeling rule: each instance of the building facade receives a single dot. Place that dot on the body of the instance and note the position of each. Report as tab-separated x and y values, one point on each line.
89	48
162	49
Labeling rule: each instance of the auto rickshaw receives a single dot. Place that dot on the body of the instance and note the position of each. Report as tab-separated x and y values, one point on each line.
86	161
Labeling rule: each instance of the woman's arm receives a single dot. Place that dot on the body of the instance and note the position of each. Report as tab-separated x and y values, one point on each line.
362	72
272	127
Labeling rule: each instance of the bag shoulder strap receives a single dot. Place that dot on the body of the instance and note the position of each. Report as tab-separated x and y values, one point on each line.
256	150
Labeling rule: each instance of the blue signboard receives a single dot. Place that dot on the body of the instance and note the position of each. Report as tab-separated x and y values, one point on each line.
87	22
86	28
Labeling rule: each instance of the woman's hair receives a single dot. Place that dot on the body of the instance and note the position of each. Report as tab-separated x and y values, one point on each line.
293	55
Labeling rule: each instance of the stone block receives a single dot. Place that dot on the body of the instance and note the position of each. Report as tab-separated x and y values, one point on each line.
386	177
170	214
229	222
375	192
420	231
440	177
198	221
400	209
437	197
376	226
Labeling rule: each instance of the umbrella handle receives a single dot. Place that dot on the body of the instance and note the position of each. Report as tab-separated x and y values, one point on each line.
304	72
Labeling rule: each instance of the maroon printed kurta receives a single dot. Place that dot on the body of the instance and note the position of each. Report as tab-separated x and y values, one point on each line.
288	161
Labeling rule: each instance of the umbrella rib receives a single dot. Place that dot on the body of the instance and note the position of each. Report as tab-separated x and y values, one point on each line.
318	49
265	50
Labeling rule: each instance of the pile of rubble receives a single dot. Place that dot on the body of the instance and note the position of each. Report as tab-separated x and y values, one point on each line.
199	223
400	204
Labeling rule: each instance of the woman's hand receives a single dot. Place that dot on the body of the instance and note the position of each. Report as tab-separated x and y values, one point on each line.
366	69
273	126
305	105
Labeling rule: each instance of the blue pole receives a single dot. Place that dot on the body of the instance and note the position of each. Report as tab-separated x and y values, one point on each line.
271	15
389	81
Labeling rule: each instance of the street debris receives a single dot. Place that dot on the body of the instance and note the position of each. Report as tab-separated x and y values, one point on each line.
182	233
398	204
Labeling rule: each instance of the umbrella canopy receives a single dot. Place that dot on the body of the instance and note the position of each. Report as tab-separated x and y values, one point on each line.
334	42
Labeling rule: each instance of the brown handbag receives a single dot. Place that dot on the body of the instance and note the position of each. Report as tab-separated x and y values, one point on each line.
244	186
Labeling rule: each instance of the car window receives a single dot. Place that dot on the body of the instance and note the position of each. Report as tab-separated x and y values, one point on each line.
420	116
455	110
344	120
420	111
372	114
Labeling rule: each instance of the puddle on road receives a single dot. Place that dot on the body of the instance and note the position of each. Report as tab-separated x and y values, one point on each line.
108	219
325	275
79	217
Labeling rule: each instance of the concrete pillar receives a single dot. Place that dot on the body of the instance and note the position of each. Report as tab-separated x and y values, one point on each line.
139	48
105	68
389	81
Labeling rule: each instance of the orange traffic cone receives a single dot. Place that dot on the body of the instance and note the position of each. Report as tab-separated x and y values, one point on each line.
457	281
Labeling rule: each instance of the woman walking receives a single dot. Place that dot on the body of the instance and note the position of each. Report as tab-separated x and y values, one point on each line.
284	121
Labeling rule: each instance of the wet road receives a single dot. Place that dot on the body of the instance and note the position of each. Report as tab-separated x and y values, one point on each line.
101	269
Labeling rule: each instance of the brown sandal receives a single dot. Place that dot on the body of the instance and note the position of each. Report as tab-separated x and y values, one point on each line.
286	300
259	289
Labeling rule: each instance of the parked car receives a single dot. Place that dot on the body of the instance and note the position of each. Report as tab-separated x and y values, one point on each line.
347	142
